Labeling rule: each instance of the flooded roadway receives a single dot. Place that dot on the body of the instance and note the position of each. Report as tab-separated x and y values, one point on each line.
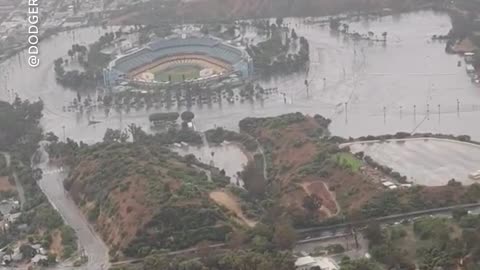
89	241
381	83
226	156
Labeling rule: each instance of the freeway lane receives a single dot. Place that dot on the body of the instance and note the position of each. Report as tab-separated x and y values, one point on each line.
387	219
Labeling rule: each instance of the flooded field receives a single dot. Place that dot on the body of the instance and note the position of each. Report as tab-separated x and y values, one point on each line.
381	84
429	162
226	156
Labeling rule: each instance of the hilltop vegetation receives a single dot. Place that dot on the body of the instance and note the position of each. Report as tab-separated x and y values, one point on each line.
316	182
146	200
429	243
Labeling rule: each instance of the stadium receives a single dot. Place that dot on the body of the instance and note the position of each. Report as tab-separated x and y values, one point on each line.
178	60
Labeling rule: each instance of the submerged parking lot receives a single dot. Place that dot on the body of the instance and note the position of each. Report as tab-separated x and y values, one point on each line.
429	162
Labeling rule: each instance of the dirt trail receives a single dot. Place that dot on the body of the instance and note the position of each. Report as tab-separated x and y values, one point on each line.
229	201
326	205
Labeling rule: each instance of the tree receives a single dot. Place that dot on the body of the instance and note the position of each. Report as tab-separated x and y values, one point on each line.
204	250
164	116
312	202
187	116
294	34
204	30
284	236
361	264
27	251
51	137
279	21
458	213
137	133
236	239
253	179
374	234
334	24
115	135
156	262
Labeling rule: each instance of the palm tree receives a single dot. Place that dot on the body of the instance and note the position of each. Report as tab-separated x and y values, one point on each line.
385	34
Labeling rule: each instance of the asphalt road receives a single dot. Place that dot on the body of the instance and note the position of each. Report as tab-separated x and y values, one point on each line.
89	241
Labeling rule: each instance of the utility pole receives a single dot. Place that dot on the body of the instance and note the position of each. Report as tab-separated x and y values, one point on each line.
346	112
64	139
439	113
428	111
400	112
458	108
384	114
415	113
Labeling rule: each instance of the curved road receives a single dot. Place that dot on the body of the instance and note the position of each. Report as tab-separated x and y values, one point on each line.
89	241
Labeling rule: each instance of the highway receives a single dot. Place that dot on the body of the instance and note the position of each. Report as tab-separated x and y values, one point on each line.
322	234
322	230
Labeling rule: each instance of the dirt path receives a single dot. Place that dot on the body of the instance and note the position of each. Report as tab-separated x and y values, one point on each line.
229	201
332	197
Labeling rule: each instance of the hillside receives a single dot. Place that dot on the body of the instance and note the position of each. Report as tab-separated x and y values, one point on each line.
316	181
143	197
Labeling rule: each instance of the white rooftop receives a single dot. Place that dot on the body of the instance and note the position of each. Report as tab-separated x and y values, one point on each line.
325	263
303	261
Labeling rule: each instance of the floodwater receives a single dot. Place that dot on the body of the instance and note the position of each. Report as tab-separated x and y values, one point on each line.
381	84
226	156
429	162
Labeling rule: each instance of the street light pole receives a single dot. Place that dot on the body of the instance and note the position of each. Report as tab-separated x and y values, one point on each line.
346	112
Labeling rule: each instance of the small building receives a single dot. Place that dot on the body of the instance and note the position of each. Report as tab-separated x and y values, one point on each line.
12	217
310	263
387	184
470	68
38	258
469	57
305	263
